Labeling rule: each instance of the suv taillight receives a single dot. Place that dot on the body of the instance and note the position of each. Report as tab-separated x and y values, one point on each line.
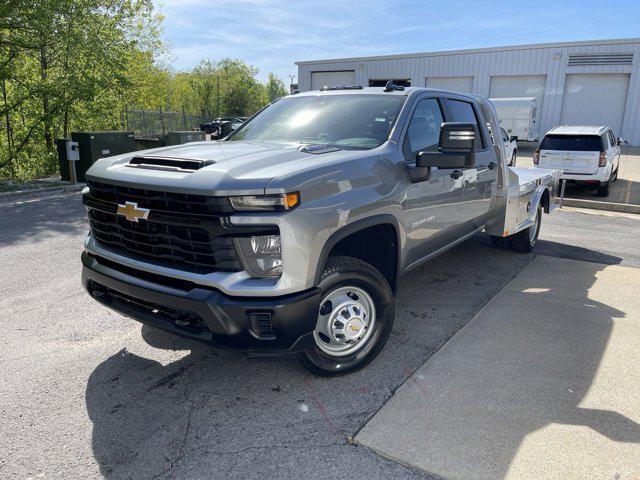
536	156
603	160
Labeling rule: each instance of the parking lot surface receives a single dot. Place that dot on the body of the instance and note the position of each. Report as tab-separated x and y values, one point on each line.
87	393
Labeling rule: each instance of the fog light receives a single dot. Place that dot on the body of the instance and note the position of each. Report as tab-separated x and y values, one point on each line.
261	255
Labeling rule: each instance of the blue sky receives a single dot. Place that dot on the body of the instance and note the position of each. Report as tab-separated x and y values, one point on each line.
273	35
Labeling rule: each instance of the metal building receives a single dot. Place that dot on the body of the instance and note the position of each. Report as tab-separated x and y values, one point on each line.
586	83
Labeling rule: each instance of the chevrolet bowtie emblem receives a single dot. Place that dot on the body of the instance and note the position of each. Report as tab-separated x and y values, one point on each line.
132	213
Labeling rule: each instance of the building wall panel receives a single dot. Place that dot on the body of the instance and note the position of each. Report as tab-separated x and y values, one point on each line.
550	60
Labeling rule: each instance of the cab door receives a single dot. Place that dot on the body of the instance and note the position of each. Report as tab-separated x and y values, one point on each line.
432	208
479	180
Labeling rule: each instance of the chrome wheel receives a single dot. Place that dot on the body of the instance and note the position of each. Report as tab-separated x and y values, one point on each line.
345	321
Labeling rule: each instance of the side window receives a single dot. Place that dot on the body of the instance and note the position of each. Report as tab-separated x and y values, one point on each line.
606	141
612	138
424	129
505	137
463	112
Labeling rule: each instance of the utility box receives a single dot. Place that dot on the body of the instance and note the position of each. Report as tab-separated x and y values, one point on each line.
178	138
93	146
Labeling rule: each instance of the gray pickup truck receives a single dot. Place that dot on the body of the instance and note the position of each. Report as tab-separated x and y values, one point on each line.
289	236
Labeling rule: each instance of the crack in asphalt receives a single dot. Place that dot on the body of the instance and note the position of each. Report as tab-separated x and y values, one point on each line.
183	441
277	446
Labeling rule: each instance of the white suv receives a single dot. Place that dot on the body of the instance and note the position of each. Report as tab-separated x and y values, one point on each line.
588	155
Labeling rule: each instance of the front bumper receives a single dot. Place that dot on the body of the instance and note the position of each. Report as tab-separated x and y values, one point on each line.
260	326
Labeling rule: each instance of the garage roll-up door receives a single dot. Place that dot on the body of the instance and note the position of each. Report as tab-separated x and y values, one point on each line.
332	79
520	86
595	99
517	86
455	84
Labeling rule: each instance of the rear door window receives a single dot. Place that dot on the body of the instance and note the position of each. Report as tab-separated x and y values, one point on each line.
577	143
463	112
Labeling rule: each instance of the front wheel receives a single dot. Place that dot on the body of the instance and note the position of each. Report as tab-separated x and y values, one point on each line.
354	320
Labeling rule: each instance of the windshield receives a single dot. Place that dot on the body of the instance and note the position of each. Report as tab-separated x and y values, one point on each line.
576	143
346	121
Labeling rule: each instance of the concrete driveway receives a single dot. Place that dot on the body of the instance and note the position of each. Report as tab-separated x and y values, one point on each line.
86	393
543	382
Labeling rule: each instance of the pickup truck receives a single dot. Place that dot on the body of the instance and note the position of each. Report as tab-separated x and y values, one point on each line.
289	236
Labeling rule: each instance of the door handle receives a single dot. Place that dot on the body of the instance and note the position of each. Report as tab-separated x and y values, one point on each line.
456	174
492	165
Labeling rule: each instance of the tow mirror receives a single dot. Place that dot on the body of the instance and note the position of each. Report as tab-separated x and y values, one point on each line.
456	148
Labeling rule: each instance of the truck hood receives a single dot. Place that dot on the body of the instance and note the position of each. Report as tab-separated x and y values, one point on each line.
238	168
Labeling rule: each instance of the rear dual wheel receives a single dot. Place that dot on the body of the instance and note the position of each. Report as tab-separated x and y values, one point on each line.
524	240
354	318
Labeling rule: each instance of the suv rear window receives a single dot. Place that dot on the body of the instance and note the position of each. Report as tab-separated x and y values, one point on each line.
578	143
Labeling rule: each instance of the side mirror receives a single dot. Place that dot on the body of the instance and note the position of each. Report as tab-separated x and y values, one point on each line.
456	148
619	141
513	138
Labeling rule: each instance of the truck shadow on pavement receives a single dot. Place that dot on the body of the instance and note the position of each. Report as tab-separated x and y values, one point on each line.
171	408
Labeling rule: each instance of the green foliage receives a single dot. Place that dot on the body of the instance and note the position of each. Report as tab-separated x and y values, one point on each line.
275	88
78	65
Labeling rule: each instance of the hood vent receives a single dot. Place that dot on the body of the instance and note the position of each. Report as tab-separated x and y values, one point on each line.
172	164
578	60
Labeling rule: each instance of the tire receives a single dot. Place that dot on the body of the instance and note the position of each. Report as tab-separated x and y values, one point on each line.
526	239
603	190
614	175
514	157
353	283
500	242
523	241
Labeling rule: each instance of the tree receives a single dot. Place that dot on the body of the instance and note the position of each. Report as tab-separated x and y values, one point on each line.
69	62
275	88
73	65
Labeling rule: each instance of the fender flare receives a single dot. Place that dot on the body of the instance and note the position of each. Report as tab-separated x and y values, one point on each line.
540	194
354	227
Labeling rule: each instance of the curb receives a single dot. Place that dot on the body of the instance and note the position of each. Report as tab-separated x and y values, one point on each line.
596	205
40	192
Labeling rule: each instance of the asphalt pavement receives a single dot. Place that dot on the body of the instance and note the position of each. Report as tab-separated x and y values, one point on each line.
87	393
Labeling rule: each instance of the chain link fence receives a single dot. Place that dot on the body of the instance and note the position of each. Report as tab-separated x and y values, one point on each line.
152	123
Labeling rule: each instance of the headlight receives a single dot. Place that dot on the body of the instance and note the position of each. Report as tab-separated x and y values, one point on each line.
261	255
283	201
